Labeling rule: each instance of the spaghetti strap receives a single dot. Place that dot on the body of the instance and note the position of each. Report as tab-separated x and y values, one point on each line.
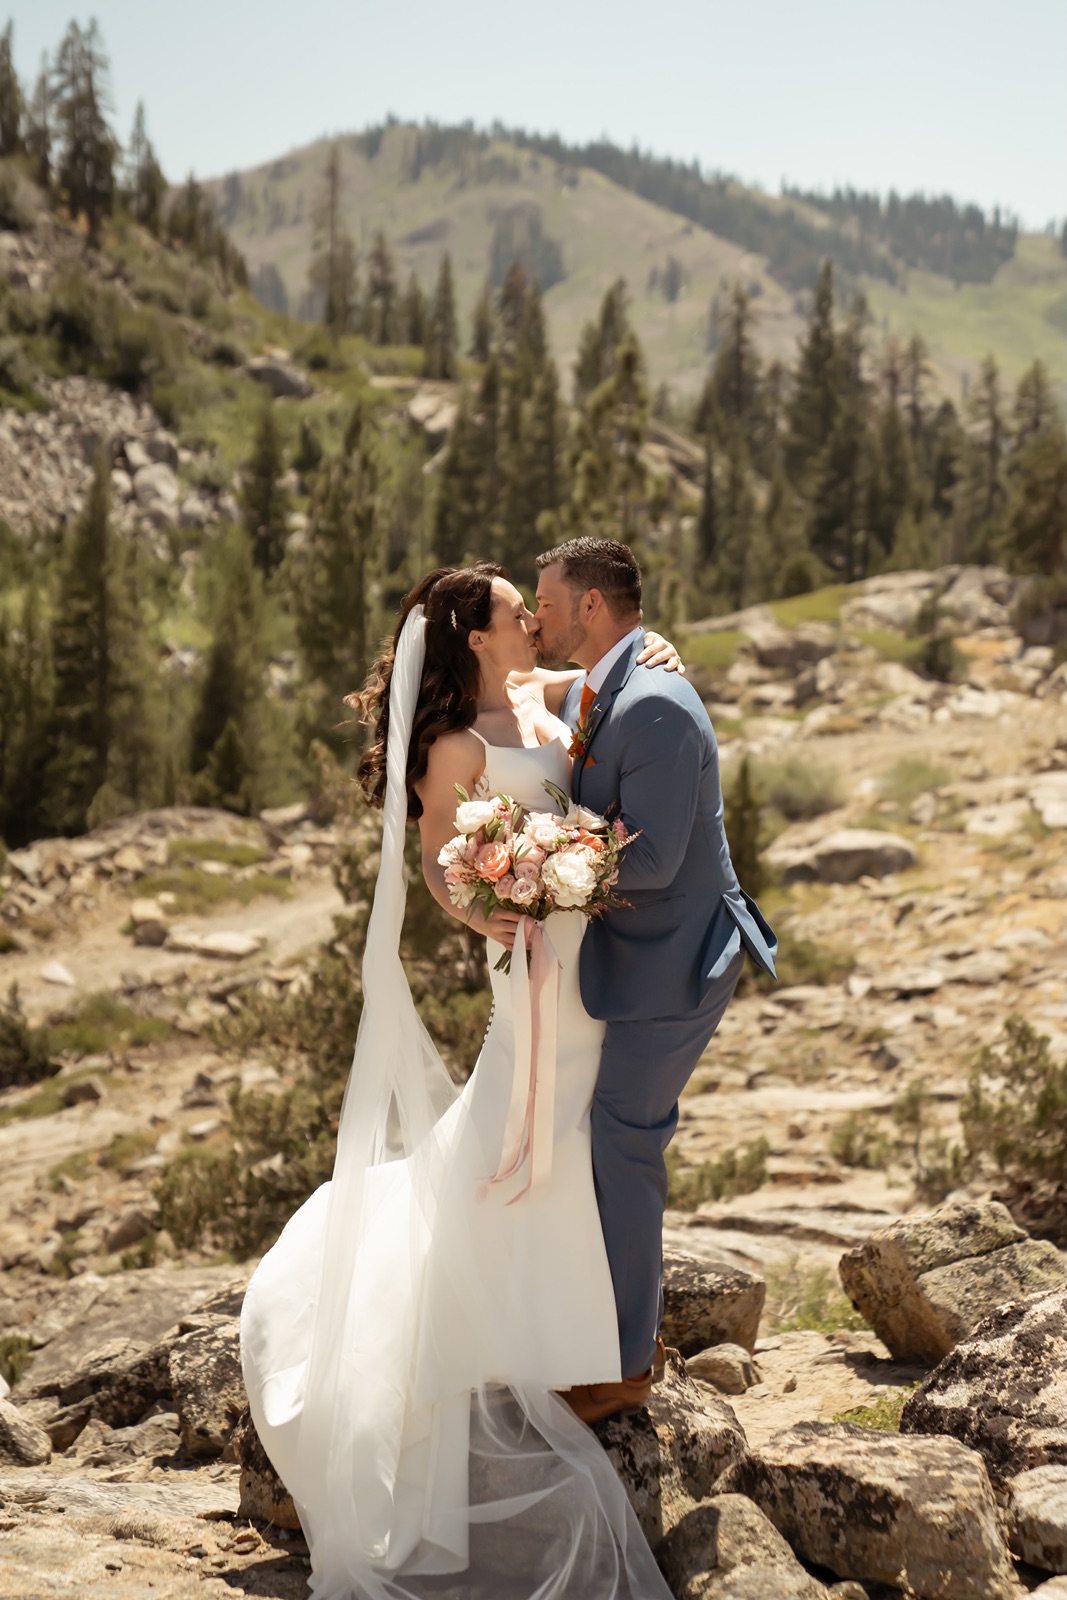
478	735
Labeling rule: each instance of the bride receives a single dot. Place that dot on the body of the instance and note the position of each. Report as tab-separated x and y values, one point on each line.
405	1341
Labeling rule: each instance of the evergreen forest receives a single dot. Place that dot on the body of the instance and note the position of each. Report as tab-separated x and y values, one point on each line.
207	662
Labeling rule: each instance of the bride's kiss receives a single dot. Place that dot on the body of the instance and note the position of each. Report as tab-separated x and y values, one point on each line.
482	1277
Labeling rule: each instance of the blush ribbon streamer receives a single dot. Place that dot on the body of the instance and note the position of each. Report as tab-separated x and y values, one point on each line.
527	1145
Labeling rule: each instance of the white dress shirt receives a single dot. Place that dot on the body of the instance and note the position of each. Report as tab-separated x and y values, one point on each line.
596	677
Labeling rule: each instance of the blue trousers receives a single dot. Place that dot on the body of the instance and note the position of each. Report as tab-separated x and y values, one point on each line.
644	1066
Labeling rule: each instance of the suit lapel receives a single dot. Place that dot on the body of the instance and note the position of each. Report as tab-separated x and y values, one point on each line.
614	682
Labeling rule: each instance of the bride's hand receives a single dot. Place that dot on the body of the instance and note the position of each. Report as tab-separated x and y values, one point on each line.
500	925
659	652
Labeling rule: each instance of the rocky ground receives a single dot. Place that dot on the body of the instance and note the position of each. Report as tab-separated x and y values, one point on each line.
932	891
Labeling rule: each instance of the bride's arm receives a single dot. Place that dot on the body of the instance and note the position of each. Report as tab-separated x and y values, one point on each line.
658	652
454	758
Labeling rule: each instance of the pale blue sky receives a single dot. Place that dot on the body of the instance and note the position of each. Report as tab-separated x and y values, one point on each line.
964	96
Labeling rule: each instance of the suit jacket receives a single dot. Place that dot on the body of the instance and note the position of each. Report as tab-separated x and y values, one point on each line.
652	757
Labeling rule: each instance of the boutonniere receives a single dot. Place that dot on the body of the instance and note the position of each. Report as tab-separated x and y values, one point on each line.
581	736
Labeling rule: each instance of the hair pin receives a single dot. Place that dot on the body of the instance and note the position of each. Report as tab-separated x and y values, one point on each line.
455	624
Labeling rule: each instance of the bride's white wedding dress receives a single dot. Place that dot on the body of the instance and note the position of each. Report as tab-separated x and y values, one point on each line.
402	1339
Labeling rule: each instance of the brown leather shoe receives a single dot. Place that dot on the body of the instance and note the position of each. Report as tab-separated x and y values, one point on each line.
593	1402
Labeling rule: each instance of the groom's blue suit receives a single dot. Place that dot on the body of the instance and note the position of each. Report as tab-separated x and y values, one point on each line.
662	971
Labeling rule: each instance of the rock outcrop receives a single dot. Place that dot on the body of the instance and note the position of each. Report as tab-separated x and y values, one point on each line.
707	1304
1003	1390
879	1508
1038	1517
843	856
670	1455
925	1283
726	1549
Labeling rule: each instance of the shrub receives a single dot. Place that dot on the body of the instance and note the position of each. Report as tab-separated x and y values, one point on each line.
737	1171
1014	1117
908	779
16	374
25	1052
18	201
101	1021
806	1298
859	1142
16	1353
882	1415
800	789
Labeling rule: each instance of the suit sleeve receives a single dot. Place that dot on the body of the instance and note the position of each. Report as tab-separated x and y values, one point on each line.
659	786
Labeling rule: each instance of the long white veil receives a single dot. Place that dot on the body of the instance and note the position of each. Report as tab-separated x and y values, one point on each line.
416	1471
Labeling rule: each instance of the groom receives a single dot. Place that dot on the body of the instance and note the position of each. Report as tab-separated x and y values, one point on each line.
662	971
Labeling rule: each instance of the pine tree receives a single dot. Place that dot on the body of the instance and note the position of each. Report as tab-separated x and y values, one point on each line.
813	406
838	533
530	452
608	480
442	335
379	314
88	149
892	489
332	575
915	373
264	503
332	273
708	521
25	711
482	325
146	185
11	102
39	127
600	342
1035	473
228	753
738	527
459	522
741	821
979	497
414	313
734	390
101	732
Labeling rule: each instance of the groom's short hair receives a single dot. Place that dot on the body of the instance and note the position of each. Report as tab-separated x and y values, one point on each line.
602	564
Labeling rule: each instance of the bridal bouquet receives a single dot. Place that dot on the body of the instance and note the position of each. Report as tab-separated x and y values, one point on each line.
532	862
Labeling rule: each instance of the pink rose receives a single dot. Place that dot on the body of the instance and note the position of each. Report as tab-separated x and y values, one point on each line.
505	887
530	858
524	892
493	860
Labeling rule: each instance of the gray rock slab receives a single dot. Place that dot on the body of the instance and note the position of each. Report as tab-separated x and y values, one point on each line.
1003	1390
877	1508
925	1283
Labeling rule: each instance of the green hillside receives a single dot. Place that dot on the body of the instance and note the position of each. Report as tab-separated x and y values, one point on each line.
432	190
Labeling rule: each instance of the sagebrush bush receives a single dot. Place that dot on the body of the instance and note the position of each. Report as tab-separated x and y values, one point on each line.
18	199
737	1171
25	1051
1014	1118
800	789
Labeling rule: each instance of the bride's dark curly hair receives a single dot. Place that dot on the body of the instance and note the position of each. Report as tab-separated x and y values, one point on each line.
458	601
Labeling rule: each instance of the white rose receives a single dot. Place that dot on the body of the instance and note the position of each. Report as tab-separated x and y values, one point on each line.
582	817
542	829
474	814
569	879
